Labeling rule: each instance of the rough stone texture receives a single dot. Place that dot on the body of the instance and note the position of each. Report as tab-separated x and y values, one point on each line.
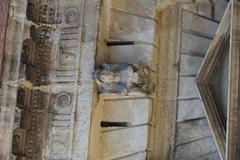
85	87
190	109
201	7
127	21
132	141
195	149
129	27
195	44
190	64
136	112
69	85
137	156
9	77
187	88
137	54
198	24
192	130
59	42
193	137
4	5
210	156
165	62
138	7
219	8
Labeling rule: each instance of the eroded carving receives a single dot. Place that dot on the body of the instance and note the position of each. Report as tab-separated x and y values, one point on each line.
33	123
59	145
124	79
37	55
19	142
59	137
43	11
28	52
71	15
67	57
62	103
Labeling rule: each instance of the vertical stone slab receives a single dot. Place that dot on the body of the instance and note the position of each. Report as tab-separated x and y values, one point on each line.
10	70
4	6
233	121
162	133
85	94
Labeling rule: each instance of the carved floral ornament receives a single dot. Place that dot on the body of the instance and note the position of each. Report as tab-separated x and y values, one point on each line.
63	102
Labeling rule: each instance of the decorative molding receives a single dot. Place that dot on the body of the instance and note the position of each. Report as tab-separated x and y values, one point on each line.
233	123
43	11
205	79
19	142
34	121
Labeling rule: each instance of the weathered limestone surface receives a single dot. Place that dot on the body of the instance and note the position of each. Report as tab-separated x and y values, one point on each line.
55	93
133	140
190	65
10	69
190	109
137	54
196	150
194	44
123	21
165	62
136	112
4	6
193	136
187	88
192	130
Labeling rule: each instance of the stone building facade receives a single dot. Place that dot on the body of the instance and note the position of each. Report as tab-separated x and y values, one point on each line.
51	108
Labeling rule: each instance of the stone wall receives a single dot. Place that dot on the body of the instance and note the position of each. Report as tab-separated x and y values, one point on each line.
124	20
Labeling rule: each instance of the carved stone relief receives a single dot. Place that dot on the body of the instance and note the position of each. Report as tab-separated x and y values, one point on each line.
66	60
50	56
43	11
19	141
29	138
59	138
37	55
124	79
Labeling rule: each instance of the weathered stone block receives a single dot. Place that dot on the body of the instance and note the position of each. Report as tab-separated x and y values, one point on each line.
129	27
190	109
190	64
187	88
198	24
134	111
139	7
220	6
135	54
124	141
138	156
192	130
195	150
191	43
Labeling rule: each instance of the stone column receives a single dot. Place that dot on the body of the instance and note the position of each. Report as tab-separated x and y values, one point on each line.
10	71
